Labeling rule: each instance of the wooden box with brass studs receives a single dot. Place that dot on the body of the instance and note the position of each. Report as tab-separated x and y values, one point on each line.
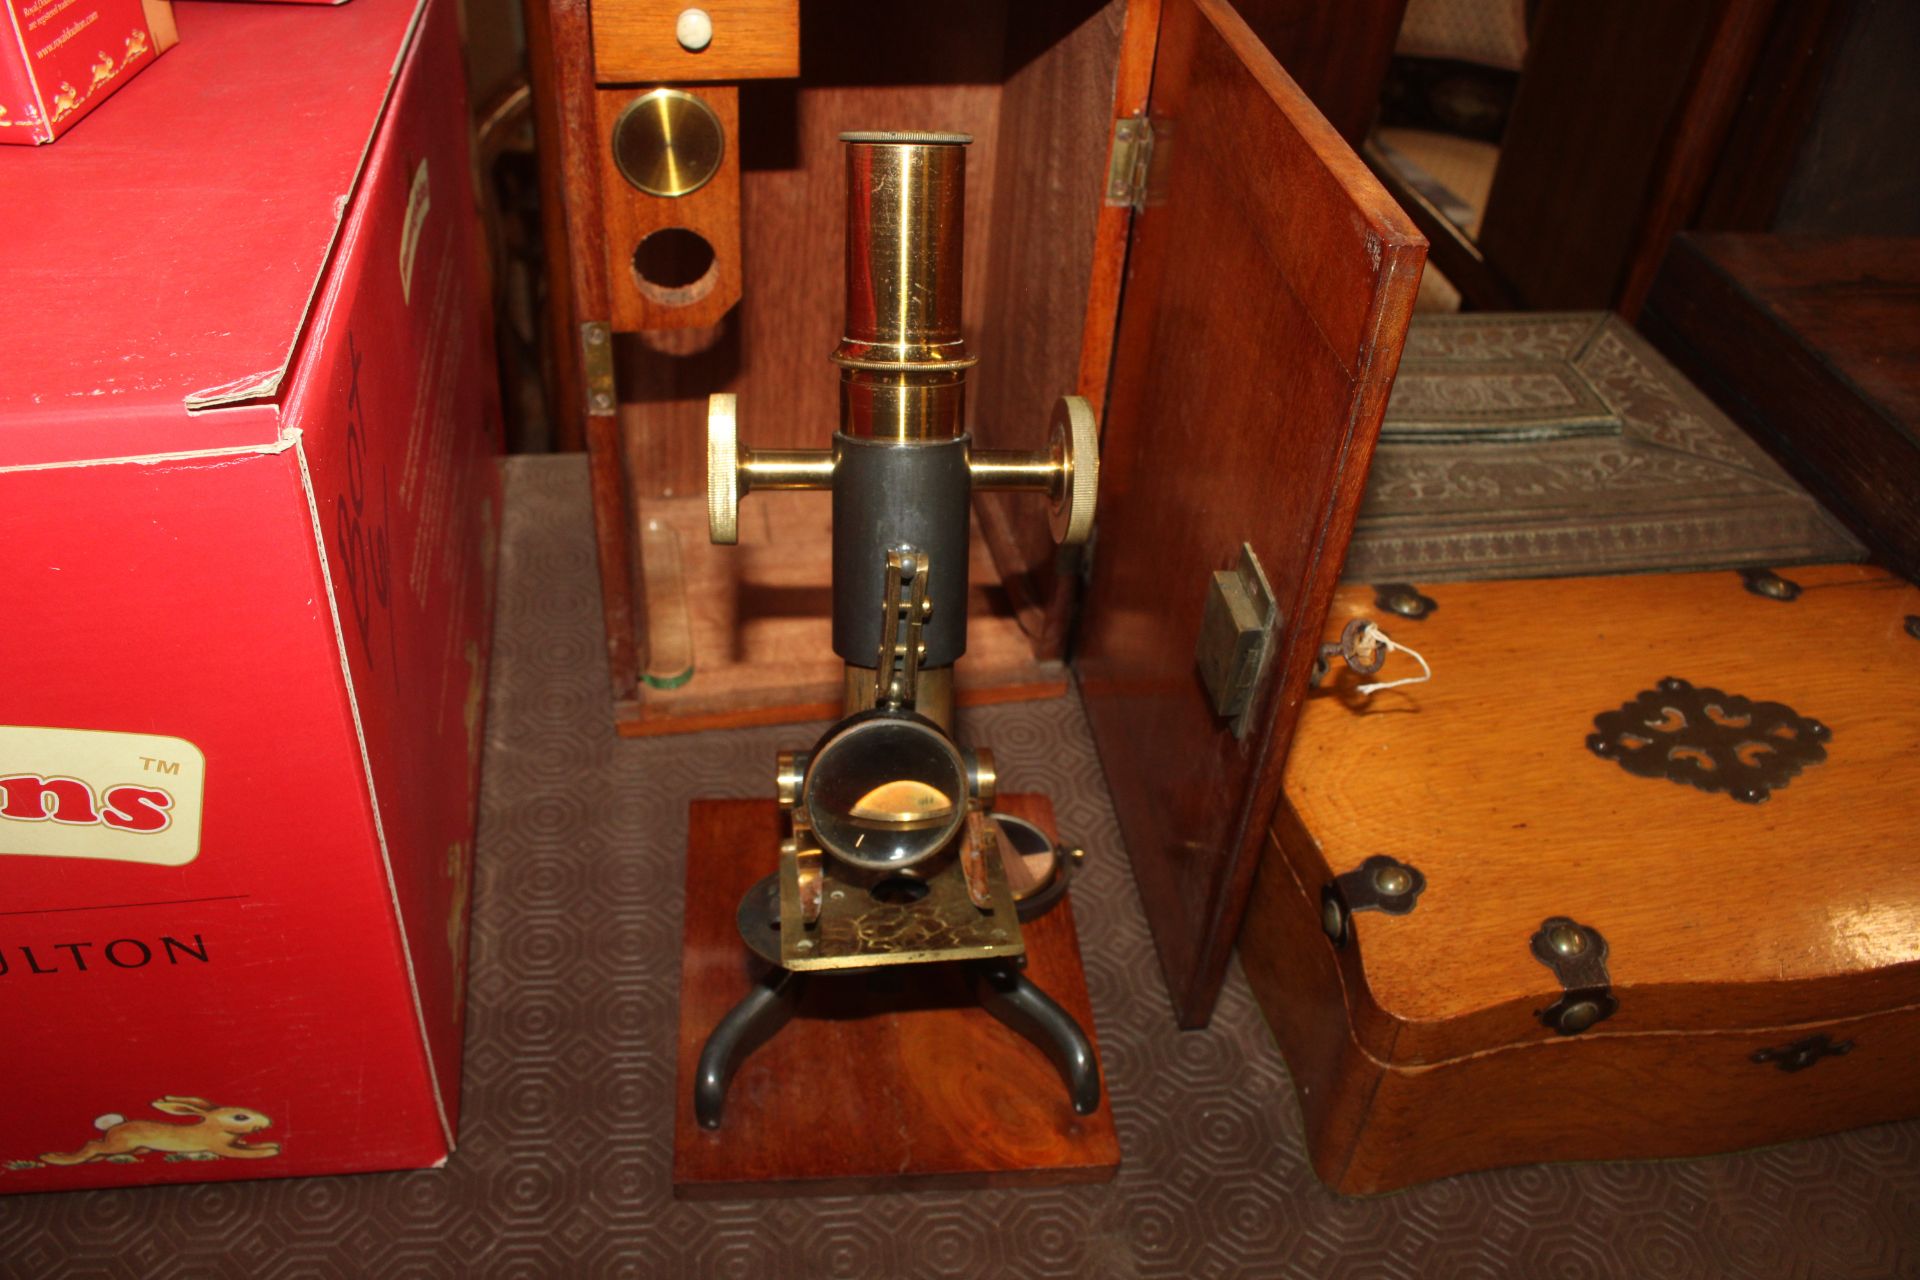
1632	874
1226	331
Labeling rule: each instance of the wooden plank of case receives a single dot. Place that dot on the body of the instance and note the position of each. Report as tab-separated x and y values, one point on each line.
1807	341
1717	914
636	41
558	46
1269	292
1053	137
1373	1126
712	212
761	633
877	1084
1113	227
1450	250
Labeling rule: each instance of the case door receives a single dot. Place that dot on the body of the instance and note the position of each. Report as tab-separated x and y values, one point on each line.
1270	282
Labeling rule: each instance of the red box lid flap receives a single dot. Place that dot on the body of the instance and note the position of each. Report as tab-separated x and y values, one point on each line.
161	260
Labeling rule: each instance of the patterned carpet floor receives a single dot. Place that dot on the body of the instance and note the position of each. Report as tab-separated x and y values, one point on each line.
566	1141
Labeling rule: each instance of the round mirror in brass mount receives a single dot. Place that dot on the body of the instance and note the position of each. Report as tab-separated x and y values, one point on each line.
894	856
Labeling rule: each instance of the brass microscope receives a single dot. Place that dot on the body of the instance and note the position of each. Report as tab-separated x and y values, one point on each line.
893	855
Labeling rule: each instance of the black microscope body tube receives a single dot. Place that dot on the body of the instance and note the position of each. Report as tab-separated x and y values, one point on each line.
888	495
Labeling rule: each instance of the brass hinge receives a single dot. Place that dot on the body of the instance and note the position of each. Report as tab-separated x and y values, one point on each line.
1130	161
596	367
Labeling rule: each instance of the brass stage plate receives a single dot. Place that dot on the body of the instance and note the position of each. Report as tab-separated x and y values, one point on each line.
857	931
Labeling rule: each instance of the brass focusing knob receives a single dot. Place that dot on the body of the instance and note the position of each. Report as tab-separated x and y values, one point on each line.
1074	442
1068	472
733	470
723	471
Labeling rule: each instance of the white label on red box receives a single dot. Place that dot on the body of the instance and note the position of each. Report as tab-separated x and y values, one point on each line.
84	793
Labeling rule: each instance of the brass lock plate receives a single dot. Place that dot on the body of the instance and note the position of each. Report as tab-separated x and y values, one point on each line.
1236	637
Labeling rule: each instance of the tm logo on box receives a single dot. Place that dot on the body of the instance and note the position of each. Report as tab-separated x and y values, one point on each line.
83	793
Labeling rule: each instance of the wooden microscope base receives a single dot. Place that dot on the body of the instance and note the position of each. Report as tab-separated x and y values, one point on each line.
882	1081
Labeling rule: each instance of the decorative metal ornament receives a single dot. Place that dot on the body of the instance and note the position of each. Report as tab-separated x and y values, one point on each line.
1718	742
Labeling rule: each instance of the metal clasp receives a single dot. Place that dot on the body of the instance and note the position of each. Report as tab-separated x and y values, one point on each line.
1236	637
1577	954
1381	883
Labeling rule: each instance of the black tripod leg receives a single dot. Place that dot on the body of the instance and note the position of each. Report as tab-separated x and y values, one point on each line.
747	1026
1005	993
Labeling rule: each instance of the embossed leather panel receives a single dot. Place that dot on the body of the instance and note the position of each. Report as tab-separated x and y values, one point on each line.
1541	445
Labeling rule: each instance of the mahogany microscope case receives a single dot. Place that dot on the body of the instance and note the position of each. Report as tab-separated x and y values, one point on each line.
1632	875
1236	325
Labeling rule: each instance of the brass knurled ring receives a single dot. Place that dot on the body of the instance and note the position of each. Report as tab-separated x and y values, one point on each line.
723	471
1075	439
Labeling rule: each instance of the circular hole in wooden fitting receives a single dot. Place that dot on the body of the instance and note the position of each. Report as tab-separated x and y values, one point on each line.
675	267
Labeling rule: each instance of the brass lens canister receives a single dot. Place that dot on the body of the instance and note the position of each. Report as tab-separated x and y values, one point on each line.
668	143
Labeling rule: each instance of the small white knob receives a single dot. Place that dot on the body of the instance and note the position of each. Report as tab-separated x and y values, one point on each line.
693	29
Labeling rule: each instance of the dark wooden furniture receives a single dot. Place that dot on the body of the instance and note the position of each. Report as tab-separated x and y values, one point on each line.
1241	381
1635	119
1337	51
1813	345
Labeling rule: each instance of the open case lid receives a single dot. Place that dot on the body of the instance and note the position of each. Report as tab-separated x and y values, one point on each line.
1269	286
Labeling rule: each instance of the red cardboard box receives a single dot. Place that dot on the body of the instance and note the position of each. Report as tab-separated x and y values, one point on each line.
247	500
59	59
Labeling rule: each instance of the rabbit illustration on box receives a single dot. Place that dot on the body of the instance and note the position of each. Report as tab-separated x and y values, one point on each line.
216	1132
